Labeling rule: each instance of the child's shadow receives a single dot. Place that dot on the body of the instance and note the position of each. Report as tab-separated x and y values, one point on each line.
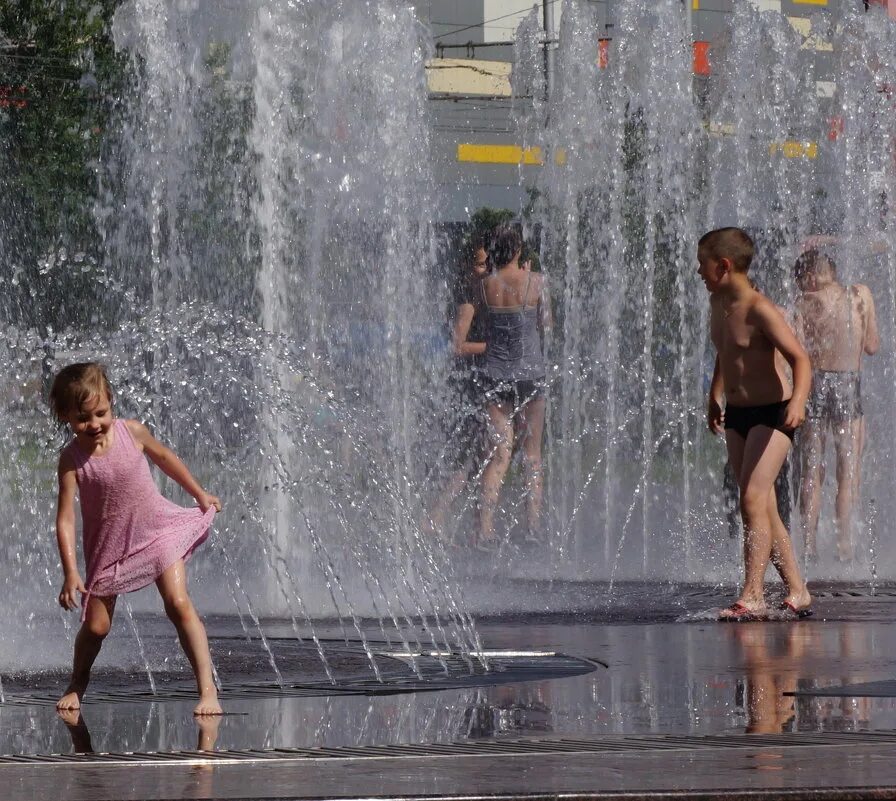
80	734
77	728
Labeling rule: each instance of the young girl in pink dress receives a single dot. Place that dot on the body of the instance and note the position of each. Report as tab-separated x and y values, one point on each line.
133	536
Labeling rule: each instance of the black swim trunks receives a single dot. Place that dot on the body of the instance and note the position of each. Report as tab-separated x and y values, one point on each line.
516	393
836	396
741	419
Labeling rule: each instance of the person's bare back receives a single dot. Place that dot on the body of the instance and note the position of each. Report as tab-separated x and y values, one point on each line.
838	325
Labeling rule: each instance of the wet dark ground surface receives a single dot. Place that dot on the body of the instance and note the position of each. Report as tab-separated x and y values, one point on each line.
671	671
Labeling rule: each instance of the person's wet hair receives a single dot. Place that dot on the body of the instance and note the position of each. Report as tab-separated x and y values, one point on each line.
504	243
729	243
477	241
76	384
812	263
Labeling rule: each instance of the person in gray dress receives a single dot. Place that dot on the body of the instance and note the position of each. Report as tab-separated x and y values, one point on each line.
516	311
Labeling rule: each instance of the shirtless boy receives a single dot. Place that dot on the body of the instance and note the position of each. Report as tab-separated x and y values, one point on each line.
837	326
753	403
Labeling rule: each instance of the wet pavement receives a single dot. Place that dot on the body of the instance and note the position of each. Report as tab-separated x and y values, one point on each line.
670	672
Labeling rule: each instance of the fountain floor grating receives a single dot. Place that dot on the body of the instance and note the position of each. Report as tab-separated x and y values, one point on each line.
492	748
434	674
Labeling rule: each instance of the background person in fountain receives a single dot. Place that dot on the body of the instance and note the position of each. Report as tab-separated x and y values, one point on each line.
837	326
466	429
760	412
132	535
516	309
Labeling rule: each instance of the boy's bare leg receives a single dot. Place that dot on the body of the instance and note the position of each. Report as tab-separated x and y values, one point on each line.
812	442
785	561
848	440
756	462
89	640
532	418
172	586
501	431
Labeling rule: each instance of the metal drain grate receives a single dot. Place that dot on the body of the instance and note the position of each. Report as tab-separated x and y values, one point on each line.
476	748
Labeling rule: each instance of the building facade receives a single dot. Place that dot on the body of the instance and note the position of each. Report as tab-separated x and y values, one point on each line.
479	160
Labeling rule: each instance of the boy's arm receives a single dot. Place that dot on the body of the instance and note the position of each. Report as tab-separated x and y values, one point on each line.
166	460
871	340
715	413
465	314
72	583
772	323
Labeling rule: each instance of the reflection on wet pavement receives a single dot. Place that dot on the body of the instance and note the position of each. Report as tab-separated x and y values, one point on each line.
662	677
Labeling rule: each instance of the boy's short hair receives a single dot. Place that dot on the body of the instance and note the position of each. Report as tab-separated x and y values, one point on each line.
504	243
729	243
77	383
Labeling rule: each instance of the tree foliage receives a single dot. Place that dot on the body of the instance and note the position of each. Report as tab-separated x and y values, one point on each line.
60	79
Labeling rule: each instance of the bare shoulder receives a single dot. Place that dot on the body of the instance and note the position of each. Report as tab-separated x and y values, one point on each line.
138	431
862	291
66	462
764	307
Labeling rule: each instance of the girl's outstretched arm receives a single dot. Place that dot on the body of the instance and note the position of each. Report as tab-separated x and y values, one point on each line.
465	314
166	460
72	583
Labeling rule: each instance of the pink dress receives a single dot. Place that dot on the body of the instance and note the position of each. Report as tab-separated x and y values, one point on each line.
132	533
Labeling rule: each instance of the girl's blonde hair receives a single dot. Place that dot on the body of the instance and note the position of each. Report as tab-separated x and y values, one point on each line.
76	384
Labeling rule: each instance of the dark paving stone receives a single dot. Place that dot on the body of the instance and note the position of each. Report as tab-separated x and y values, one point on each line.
766	771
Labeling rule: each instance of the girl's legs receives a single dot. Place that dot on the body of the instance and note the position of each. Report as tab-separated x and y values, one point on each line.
812	442
532	419
96	625
172	586
501	429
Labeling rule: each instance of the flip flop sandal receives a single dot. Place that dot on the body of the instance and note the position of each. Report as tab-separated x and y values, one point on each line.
739	613
799	614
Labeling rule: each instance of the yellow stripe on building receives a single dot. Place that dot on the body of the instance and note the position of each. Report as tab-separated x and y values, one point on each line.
810	2
499	154
792	149
506	154
695	4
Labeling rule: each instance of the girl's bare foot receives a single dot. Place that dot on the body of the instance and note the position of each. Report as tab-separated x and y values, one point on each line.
71	699
208	705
